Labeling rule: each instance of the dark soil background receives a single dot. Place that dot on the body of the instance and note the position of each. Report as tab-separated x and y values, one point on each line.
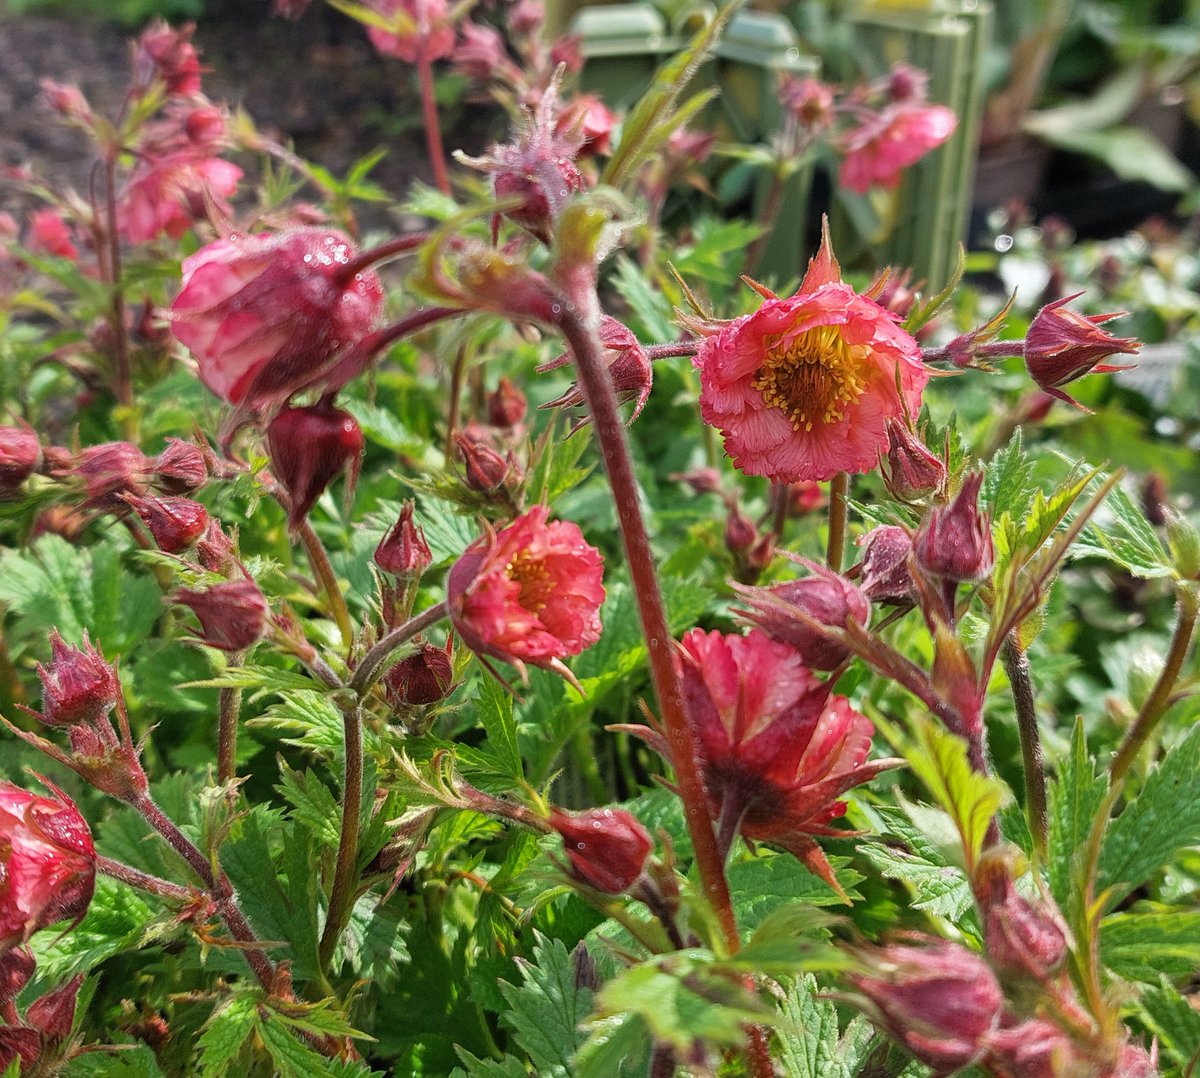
317	82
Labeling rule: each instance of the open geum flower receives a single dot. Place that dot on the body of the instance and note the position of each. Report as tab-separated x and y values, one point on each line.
802	388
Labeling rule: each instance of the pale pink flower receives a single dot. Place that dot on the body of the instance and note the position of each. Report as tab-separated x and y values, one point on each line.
882	147
531	592
265	315
167	195
47	863
50	234
422	28
802	388
169	55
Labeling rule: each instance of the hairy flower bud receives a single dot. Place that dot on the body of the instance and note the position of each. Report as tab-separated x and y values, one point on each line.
592	119
20	452
403	551
79	686
423	29
954	542
506	405
47	862
740	532
54	1013
701	480
308	447
1024	938
480	53
109	470
175	523
424	677
486	470
1063	345
232	615
181	467
214	549
885	573
607	847
66	99
50	234
910	471
786	612
169	55
936	998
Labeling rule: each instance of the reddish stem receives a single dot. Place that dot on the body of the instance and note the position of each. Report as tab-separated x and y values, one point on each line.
991	350
375	255
433	132
677	348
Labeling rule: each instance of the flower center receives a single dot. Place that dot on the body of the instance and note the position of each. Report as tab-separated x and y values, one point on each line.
534	580
813	380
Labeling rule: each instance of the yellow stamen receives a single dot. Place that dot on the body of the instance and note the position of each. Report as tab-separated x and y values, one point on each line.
814	379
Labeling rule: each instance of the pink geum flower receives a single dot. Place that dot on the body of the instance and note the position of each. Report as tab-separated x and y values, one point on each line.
529	593
885	144
776	749
50	234
802	388
266	315
169	55
1063	345
420	29
47	862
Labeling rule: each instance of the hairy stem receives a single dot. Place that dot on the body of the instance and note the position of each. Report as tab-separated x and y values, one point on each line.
839	493
433	131
397	246
345	873
1016	666
318	558
143	881
368	669
229	706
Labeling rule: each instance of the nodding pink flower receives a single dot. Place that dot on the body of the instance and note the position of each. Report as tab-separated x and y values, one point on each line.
525	17
232	615
936	998
776	749
50	234
169	55
422	29
20	452
529	593
267	315
308	447
883	146
567	50
180	468
592	119
607	847
885	573
175	523
47	862
954	542
79	687
168	194
1063	345
802	388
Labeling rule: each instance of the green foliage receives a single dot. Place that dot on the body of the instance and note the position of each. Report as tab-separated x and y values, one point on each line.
808	1031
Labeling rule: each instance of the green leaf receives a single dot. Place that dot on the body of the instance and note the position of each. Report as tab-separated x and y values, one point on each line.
1132	153
291	1056
1007	483
128	1061
313	803
652	308
618	1047
1145	946
808	1036
494	708
373	943
1075	797
225	1032
937	887
1126	538
1163	819
508	1067
546	1009
765	883
1173	1021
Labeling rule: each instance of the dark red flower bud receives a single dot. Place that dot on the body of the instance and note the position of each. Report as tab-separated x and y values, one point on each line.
786	613
16	969
629	368
232	615
205	125
1034	1049
67	99
806	497
1063	345
108	470
593	120
169	55
607	847
701	480
20	452
308	447
567	50
54	1013
175	523
480	53
486	469
78	686
936	998
19	1043
506	406
740	532
425	677
885	572
1024	938
907	84
403	551
180	468
214	550
954	541
909	470
534	209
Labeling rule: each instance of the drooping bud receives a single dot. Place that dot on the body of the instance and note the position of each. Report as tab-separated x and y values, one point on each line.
308	447
910	471
885	573
1063	345
79	686
181	467
1035	1048
232	615
506	405
175	523
485	469
214	549
20	452
805	497
67	99
629	368
740	532
786	613
480	53
50	234
424	677
403	551
1024	938
936	998
701	480
108	470
54	1013
423	29
169	55
954	542
607	847
593	120
525	17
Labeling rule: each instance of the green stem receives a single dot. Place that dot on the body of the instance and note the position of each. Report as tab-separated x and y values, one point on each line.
345	874
124	371
368	669
1016	665
839	492
318	558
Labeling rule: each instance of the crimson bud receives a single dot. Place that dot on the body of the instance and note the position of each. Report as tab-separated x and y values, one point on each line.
20	452
1023	937
308	447
175	523
403	551
424	677
506	406
909	470
181	467
607	847
79	686
232	615
954	542
885	572
486	469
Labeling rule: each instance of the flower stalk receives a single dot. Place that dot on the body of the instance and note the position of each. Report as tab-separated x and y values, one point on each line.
1016	666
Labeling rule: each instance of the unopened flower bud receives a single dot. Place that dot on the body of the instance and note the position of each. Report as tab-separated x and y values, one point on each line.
175	523
740	532
66	99
701	480
169	54
805	497
1024	938
1035	1048
424	677
79	685
592	119
181	467
525	17
205	125
885	572
506	405
1063	345
486	470
232	615
53	1014
108	470
403	551
16	970
214	549
308	447
954	542
534	207
629	369
20	452
936	998
50	234
480	53
567	50
907	84
607	847
793	612
1183	541
910	471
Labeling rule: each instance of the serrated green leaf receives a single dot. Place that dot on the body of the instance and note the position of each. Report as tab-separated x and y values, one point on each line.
941	889
1145	946
373	943
1075	797
762	884
1007	482
808	1036
1163	819
1172	1021
618	1047
313	803
291	1056
225	1032
494	708
508	1067
1126	538
128	1061
651	308
545	1011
